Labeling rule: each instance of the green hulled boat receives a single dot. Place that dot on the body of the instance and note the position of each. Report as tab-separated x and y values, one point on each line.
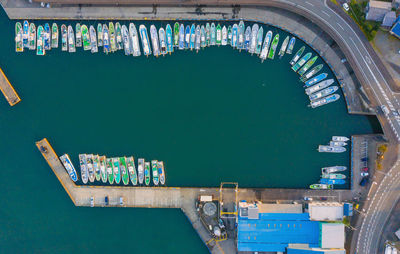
54	35
19	47
109	168
40	49
297	55
103	170
99	35
124	170
32	36
301	62
116	170
130	161
96	166
111	31
147	173
319	186
311	73
86	38
219	34
274	45
78	35
176	34
118	36
307	65
154	170
208	34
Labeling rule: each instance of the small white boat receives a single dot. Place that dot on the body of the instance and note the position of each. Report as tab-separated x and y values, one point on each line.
340	138
337	143
331	149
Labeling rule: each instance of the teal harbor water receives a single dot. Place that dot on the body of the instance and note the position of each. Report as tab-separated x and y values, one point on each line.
218	115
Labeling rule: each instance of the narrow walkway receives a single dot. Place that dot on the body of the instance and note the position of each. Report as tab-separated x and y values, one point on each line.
8	90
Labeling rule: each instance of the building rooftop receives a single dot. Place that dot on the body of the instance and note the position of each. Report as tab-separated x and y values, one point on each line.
380	5
326	211
332	235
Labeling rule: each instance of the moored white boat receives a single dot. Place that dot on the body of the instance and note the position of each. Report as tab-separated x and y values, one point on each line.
154	40
331	149
69	167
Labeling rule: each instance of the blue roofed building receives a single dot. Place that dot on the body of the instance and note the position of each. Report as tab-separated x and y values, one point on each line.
283	227
395	31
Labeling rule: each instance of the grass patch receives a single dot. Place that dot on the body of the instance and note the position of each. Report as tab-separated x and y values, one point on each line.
368	27
335	2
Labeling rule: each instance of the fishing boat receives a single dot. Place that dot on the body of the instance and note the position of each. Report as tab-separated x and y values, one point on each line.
265	47
218	35
260	35
291	46
96	167
176	34
331	149
132	170
144	37
64	38
297	55
154	170
319	86
307	65
25	33
274	45
54	35
253	40
161	172
103	170
224	32
187	37
333	176
240	43
118	36
334	169
234	40
315	80
192	37
337	143
323	93
116	170
181	43
84	169
85	38
141	170
89	164
229	35
162	38
93	40
106	40
99	35
332	181
203	43
125	40
78	35
340	138
32	36
213	35
47	37
69	167
301	62
170	42
134	40
311	73
154	40
124	170
198	39
109	165
283	47
208	34
147	175
111	32
39	49
71	40
324	101
319	186
247	38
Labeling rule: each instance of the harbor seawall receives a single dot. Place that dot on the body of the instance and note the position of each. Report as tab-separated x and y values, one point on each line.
8	90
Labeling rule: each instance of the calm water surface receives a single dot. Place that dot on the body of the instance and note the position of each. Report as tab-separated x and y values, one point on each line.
218	115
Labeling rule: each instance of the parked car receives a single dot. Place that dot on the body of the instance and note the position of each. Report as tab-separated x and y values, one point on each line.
364	181
365	159
346	7
91	201
121	201
106	200
364	174
308	199
364	169
323	198
385	110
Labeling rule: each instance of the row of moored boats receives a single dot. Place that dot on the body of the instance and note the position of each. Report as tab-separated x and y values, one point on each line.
114	170
336	145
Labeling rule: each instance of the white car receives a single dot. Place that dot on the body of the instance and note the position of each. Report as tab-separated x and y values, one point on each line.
346	7
385	110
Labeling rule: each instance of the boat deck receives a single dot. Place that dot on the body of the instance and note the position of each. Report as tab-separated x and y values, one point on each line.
8	90
175	197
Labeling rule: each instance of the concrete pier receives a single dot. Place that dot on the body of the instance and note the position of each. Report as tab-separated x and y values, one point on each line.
8	90
176	197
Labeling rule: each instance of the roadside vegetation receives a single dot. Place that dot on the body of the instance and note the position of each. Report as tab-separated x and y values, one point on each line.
380	156
356	12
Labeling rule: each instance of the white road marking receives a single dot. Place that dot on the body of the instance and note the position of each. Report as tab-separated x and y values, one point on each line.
309	3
